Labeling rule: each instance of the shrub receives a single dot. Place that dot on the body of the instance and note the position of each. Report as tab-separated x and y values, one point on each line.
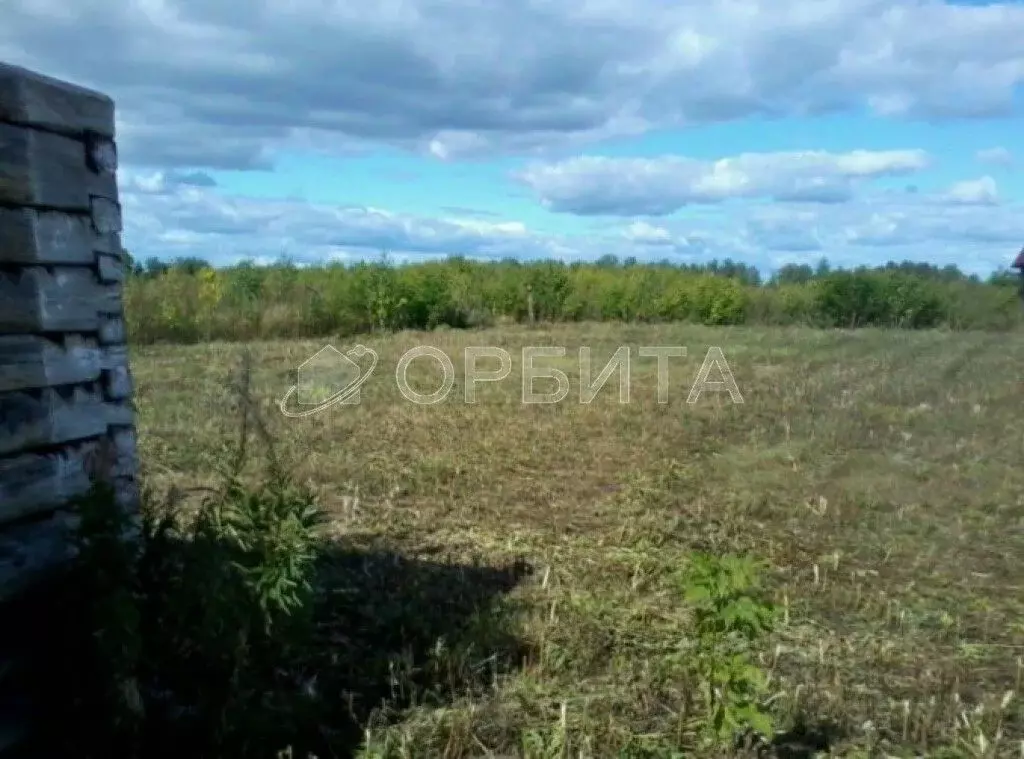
850	299
184	636
730	618
719	300
183	303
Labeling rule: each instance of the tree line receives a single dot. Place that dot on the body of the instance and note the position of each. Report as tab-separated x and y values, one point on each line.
188	300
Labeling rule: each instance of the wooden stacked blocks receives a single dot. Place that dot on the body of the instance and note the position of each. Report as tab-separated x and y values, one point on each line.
65	384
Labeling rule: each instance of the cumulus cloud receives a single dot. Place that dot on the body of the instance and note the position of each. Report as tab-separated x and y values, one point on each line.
642	232
228	83
204	85
660	186
473	213
891	226
162	182
998	156
785	231
974	192
188	220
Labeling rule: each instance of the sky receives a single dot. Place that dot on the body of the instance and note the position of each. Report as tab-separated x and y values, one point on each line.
766	131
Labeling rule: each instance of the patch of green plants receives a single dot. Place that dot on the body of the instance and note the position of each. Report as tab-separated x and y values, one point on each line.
731	619
186	302
189	624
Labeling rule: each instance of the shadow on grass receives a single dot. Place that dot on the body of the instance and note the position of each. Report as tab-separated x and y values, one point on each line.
806	739
388	632
397	631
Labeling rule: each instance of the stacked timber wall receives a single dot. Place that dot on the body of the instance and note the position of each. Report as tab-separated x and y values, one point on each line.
66	416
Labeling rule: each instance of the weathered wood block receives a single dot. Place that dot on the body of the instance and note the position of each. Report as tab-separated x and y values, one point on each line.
112	329
100	153
119	413
29	551
111	268
61	300
33	361
117	384
113	356
50	416
109	243
106	215
34	483
65	383
116	376
28	236
49	171
126	448
30	98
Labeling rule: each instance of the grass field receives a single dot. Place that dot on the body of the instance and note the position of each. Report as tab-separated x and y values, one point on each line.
509	582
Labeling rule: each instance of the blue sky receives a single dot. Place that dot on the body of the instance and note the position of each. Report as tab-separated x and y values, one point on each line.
766	131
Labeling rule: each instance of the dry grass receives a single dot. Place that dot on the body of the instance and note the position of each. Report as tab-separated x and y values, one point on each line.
878	472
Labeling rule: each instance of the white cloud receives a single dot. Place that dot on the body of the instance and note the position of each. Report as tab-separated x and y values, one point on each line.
228	83
162	182
785	230
982	191
642	232
479	226
202	221
998	156
658	186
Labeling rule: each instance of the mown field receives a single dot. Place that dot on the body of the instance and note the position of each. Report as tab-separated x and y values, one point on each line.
508	581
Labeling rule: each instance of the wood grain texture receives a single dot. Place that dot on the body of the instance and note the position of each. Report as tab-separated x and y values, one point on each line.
119	413
105	212
35	299
27	97
66	412
115	374
109	268
33	237
50	416
34	361
35	483
48	170
100	153
112	330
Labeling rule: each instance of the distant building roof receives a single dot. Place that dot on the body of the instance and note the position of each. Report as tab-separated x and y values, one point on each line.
1018	262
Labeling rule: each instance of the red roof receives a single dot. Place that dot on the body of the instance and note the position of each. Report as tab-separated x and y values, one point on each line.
1018	262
